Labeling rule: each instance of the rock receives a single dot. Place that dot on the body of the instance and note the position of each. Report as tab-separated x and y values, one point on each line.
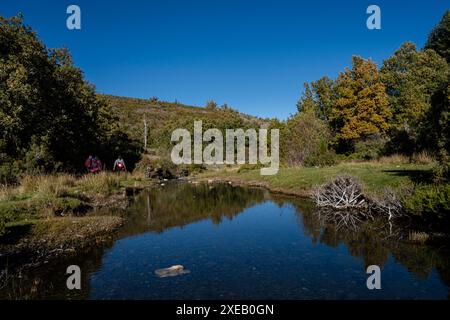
172	271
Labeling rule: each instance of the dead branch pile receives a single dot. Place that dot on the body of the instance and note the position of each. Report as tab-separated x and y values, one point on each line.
388	203
344	192
343	202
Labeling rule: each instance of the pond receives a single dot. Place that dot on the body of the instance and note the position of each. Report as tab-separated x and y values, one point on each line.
242	243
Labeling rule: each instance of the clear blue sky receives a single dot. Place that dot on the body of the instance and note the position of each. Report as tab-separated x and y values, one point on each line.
252	54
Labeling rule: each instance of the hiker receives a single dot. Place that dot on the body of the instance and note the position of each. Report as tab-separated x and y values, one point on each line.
88	163
119	165
93	164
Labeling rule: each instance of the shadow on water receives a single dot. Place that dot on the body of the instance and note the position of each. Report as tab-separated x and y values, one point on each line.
175	217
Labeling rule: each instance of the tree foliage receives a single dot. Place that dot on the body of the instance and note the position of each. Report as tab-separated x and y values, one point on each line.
319	97
50	117
439	38
362	106
305	141
411	78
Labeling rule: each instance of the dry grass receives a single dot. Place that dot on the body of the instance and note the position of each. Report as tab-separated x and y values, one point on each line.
104	182
424	158
7	193
419	158
47	185
393	159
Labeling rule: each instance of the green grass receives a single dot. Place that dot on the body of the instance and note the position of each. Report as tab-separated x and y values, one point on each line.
375	176
47	196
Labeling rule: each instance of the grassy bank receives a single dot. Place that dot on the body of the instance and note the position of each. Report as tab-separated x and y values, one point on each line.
376	176
411	182
56	211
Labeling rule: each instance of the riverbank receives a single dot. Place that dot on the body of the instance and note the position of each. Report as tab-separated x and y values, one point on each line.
412	183
48	216
301	181
53	215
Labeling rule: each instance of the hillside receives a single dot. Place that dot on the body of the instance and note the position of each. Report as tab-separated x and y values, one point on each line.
163	117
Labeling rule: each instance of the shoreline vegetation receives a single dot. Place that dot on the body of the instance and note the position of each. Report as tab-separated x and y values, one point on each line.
49	216
387	126
410	182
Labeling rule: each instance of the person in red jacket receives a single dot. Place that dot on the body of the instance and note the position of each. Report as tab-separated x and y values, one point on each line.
93	164
88	163
96	165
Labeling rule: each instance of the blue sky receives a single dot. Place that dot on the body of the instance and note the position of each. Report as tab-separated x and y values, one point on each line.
252	54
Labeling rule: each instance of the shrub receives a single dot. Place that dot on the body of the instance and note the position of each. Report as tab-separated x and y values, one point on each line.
38	159
430	201
305	141
9	173
321	159
370	148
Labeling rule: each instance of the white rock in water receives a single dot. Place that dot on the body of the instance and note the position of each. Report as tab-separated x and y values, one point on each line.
172	271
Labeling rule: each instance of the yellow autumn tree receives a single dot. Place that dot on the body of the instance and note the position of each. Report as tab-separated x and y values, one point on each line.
362	108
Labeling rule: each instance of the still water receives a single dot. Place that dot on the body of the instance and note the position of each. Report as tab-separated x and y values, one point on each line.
243	243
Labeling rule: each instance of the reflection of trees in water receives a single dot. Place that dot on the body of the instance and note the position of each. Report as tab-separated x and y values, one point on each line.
178	205
49	280
155	210
374	241
181	204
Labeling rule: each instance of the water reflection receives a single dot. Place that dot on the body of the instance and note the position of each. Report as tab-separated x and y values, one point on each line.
243	243
177	205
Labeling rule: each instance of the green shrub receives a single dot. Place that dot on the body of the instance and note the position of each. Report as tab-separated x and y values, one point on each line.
369	149
430	201
305	141
321	160
9	173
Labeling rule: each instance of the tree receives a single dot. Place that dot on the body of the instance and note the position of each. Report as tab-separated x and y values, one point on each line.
49	115
319	96
325	92
211	105
439	38
304	140
411	78
307	101
362	108
436	131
